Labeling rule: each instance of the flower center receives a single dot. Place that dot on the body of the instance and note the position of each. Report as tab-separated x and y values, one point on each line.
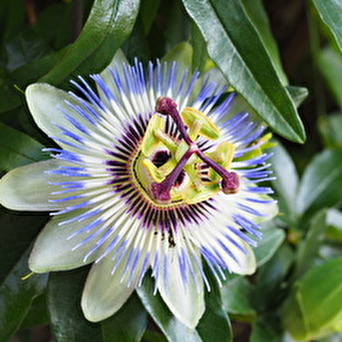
172	168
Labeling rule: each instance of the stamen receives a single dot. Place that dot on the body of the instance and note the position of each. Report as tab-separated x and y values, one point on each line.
167	106
230	180
161	191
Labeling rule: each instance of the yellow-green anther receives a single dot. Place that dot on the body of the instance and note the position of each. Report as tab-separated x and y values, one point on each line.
195	129
223	155
193	196
194	177
150	140
166	140
152	170
208	129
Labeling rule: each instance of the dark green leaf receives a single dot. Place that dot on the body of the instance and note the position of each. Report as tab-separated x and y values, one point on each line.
330	127
298	94
286	182
16	296
270	277
23	48
17	149
37	314
174	330
243	59
258	16
30	72
262	332
314	308
329	12
109	24
128	324
271	241
236	297
200	55
16	234
330	65
214	324
321	179
9	96
67	320
308	248
148	11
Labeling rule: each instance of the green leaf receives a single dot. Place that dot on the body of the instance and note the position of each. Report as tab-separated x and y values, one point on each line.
148	11
334	223
24	47
200	55
286	182
330	66
128	324
271	241
314	308
321	179
214	324
16	235
17	149
262	331
330	127
236	297
298	94
258	16
174	330
329	12
268	290
16	296
37	314
243	59
109	24
67	321
309	247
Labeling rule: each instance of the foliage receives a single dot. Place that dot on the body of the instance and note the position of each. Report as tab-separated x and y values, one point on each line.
296	292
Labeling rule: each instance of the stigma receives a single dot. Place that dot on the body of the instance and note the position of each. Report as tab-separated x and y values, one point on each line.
190	174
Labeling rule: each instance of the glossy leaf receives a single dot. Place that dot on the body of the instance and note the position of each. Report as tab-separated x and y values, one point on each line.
236	297
305	316
17	149
330	65
128	324
308	248
109	24
259	18
298	94
244	61
16	296
321	179
329	12
270	242
174	330
285	183
214	324
269	278
67	321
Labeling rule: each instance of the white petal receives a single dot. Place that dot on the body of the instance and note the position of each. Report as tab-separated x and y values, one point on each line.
27	187
185	298
46	104
55	250
104	293
247	261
